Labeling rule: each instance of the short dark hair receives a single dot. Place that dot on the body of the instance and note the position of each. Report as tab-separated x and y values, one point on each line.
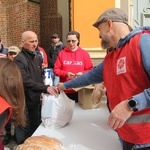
74	33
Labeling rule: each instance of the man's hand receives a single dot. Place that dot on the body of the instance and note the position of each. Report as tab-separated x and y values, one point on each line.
52	90
119	115
60	86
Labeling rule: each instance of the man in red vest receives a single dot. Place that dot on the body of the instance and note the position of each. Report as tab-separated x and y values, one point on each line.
126	75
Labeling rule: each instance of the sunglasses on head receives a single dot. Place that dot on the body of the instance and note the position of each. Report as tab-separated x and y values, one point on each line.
73	41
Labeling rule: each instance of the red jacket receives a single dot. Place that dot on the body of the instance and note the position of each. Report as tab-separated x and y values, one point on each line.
72	61
4	106
44	55
128	78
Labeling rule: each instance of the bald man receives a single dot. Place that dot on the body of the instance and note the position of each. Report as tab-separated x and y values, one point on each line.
31	69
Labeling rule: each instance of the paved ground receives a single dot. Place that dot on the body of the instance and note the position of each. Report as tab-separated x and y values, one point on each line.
10	146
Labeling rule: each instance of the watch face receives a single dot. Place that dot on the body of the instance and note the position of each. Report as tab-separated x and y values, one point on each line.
133	105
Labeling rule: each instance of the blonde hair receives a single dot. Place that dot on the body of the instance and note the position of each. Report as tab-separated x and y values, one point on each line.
11	89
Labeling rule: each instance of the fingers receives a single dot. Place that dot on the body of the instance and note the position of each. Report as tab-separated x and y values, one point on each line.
60	86
115	122
53	90
119	115
79	74
71	75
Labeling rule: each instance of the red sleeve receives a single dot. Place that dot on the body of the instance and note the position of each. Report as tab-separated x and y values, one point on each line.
45	61
45	58
5	113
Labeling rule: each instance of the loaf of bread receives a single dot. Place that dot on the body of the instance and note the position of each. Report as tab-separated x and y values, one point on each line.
40	143
98	92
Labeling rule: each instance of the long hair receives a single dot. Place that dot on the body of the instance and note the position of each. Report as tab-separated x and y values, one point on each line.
11	89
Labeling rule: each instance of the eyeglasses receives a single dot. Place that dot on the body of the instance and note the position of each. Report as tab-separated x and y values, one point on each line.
73	41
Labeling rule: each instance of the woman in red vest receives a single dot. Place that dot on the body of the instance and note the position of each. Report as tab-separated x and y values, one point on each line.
12	99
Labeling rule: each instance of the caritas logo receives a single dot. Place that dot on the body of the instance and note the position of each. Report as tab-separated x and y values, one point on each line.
121	65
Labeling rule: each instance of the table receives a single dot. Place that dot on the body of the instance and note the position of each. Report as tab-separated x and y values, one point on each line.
88	130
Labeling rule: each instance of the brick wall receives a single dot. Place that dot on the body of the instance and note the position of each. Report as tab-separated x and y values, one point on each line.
51	22
16	17
3	21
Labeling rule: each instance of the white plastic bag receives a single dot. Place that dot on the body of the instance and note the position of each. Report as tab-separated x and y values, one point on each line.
56	111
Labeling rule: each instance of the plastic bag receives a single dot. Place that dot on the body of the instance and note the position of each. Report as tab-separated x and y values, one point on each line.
56	111
98	92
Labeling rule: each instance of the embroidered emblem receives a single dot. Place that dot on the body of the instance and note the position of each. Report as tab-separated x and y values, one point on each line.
121	65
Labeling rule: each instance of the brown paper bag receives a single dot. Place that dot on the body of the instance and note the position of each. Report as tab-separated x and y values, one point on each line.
98	92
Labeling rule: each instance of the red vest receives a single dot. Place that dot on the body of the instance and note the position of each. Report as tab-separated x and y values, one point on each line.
3	106
124	76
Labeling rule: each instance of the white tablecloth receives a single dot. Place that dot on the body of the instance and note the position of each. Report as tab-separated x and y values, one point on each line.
88	130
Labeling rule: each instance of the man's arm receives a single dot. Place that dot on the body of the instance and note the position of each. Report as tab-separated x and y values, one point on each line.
92	77
143	98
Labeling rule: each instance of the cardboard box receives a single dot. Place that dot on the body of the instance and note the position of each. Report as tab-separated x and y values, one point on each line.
84	97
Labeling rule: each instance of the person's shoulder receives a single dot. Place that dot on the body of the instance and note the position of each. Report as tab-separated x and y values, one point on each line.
41	49
20	54
5	104
5	50
60	42
20	57
2	99
82	50
63	51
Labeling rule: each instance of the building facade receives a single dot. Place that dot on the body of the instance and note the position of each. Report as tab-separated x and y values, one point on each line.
46	17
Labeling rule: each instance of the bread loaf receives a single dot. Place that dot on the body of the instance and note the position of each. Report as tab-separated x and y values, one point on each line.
98	92
40	143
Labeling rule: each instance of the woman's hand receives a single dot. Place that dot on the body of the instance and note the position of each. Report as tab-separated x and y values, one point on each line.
79	74
71	75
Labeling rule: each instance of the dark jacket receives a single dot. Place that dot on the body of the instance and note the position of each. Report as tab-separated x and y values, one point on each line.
53	53
30	66
3	50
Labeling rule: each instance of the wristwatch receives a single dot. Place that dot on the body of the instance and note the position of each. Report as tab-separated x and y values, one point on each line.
133	104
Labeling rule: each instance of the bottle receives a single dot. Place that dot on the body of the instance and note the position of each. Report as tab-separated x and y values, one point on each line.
48	77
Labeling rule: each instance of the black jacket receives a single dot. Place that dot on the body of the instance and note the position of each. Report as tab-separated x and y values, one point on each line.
30	66
53	53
